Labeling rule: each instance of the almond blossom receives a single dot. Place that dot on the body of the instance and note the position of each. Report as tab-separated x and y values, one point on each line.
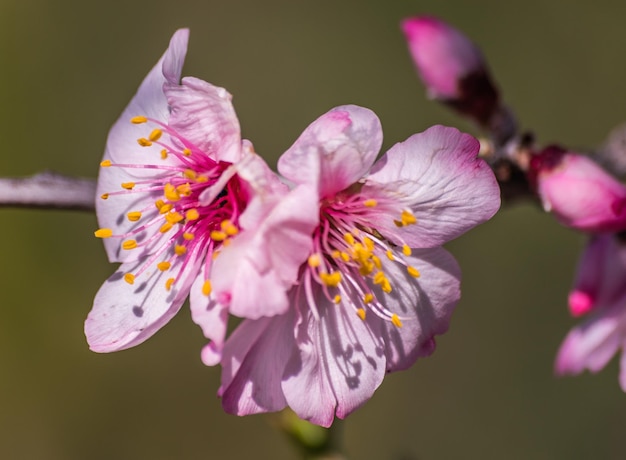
175	182
374	287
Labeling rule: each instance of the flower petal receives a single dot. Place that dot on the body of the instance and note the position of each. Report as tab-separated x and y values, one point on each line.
592	344
335	151
255	272
253	362
438	176
125	315
122	146
204	115
425	305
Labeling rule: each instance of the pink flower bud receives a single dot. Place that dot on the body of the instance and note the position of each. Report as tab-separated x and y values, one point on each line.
578	191
451	67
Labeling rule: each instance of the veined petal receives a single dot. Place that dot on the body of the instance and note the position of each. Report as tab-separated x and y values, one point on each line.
204	115
592	344
125	315
437	175
339	365
150	102
334	151
267	255
251	381
426	304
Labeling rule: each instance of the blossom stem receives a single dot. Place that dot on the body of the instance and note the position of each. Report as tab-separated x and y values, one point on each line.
314	442
48	190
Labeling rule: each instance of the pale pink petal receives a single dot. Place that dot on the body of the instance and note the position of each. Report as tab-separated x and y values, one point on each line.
122	146
253	362
335	151
204	115
425	305
340	363
211	316
266	256
437	175
591	345
125	315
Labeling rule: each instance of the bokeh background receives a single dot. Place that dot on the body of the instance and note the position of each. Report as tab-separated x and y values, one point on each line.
69	67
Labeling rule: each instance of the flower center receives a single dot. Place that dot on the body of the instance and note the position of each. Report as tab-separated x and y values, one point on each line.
178	223
347	260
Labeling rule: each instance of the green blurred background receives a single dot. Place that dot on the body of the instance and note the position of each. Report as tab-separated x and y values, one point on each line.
69	67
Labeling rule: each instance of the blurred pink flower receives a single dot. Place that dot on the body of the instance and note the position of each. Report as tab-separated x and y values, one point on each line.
578	192
599	289
452	67
175	180
375	287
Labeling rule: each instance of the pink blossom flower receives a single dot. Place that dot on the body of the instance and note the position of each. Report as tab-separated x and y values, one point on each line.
451	66
578	192
175	182
599	289
375	287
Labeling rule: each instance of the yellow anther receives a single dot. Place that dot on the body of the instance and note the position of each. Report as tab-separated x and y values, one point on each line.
190	174
361	313
345	256
337	299
174	217
128	185
188	236
166	208
227	242
105	163
331	279
168	283
398	223
192	214
368	298
207	288
406	250
138	120
396	320
144	142
163	154
134	216
379	278
201	179
217	235
104	196
165	265
129	278
103	233
155	135
370	203
170	192
408	218
386	286
229	228
159	204
335	254
314	260
366	268
184	189
390	255
377	263
215	254
186	152
414	272
180	250
369	244
129	244
166	227
348	238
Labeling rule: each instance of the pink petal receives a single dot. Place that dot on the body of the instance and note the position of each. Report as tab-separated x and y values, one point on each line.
426	305
339	365
125	315
149	101
204	115
591	345
253	362
266	256
335	151
437	175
